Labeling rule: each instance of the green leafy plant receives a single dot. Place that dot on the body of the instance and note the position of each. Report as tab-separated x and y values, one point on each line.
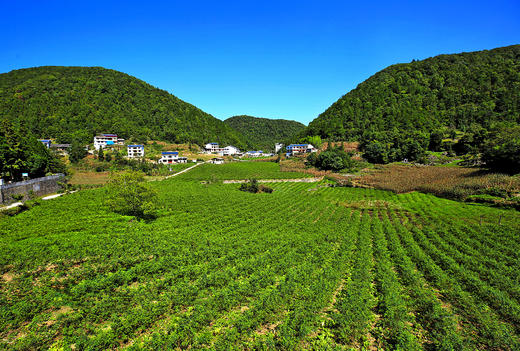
127	194
253	187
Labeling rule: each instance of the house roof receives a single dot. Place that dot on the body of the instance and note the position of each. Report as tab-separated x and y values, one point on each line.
135	146
293	145
109	135
110	142
170	152
45	140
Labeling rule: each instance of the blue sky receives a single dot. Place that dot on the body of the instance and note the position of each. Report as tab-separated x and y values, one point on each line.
275	59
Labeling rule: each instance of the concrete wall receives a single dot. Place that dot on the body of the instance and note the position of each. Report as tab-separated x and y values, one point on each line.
39	186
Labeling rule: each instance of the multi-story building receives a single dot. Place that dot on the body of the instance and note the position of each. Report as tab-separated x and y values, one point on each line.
213	148
230	150
169	157
172	157
135	151
294	149
104	140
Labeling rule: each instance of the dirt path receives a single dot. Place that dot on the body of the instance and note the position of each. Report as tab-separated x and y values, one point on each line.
48	197
184	170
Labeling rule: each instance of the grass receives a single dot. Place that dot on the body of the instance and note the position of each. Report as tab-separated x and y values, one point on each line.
89	178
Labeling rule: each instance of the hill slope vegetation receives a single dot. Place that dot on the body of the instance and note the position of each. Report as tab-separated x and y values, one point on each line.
69	103
263	133
456	91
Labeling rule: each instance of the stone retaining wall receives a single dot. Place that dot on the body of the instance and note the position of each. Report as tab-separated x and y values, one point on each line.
36	187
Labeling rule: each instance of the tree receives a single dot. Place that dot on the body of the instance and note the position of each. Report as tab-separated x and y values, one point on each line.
312	158
119	159
436	140
334	159
502	151
77	151
21	152
108	157
101	155
127	194
375	152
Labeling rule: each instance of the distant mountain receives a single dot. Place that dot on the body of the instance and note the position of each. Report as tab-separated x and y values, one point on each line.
263	133
78	102
457	91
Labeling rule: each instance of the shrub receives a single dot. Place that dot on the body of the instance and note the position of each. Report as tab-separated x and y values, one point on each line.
333	159
127	194
77	151
254	187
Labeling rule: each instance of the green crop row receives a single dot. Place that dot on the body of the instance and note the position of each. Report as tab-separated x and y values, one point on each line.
305	267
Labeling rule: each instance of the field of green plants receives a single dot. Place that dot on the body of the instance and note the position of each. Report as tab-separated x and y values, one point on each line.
308	266
240	170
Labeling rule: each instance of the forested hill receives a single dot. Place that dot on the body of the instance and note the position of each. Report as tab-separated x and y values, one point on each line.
263	133
456	91
78	102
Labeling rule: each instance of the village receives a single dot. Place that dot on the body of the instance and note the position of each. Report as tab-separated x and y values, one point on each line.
109	141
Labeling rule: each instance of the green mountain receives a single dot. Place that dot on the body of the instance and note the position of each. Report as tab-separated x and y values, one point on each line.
78	102
263	133
456	91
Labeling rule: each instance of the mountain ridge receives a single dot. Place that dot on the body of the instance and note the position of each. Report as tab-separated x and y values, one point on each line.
75	102
262	132
448	90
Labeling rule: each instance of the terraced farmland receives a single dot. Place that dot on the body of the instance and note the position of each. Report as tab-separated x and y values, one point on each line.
306	267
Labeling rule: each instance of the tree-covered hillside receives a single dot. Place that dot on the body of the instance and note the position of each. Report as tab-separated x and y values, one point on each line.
455	91
263	133
69	103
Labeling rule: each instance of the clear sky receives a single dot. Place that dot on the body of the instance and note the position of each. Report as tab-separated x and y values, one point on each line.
275	59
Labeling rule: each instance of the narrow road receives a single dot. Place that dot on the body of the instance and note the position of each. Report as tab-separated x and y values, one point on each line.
184	170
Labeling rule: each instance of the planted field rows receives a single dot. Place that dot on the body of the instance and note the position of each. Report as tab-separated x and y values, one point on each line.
306	267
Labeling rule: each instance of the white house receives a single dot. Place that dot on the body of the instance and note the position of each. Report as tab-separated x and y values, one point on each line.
294	149
172	157
104	140
135	151
254	153
229	150
211	147
217	161
169	157
277	147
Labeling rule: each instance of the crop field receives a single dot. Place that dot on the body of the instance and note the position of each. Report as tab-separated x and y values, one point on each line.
241	170
308	266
